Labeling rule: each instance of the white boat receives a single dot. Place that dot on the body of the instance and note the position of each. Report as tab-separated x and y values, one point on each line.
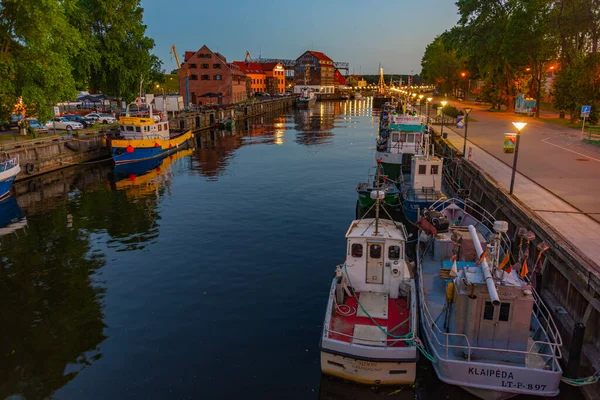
9	169
358	96
306	98
400	137
484	325
371	317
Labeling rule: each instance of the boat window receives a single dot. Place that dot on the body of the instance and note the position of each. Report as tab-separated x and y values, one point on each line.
434	169
138	129
403	137
395	137
422	169
410	138
165	126
488	312
504	312
159	127
375	251
394	252
130	128
357	250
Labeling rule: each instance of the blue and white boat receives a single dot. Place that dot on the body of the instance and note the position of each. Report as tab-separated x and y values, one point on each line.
9	169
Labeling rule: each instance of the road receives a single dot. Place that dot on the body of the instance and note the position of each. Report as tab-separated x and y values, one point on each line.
553	156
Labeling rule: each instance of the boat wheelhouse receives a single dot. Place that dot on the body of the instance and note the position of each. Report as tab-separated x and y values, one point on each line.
9	169
377	181
486	328
399	139
370	321
144	135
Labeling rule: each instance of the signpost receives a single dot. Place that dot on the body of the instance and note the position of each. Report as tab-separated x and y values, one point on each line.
56	114
585	113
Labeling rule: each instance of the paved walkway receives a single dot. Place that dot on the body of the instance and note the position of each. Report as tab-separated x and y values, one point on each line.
582	231
554	156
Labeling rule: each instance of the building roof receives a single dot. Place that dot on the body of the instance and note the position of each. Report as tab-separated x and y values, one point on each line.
270	66
188	55
236	69
339	78
250	67
320	56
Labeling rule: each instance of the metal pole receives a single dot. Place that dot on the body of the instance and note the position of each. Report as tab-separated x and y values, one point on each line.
442	130
512	179
466	131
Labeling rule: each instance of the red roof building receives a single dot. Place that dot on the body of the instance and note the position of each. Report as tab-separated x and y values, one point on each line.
314	68
211	78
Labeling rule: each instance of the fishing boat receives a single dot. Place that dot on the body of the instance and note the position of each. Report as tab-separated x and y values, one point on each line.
377	181
12	218
422	186
145	135
9	169
485	327
358	96
400	137
306	98
370	322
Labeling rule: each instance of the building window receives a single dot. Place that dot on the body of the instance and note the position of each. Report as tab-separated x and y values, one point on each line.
200	55
217	77
193	77
375	251
205	66
217	66
434	169
357	250
204	77
394	252
193	66
207	55
422	169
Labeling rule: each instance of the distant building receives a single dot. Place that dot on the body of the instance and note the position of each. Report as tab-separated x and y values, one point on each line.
314	70
264	77
211	78
339	78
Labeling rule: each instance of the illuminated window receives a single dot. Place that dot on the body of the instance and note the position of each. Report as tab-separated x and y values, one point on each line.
159	127
357	250
217	77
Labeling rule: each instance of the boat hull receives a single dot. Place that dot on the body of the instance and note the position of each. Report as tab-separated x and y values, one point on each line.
305	103
365	200
146	149
368	372
7	177
412	208
392	165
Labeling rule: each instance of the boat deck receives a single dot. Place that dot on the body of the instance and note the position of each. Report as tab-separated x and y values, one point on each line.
396	321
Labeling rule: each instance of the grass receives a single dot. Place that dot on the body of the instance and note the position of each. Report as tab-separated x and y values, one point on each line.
548	107
591	141
561	122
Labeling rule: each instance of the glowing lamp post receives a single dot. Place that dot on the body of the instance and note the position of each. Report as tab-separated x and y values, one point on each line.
467	111
420	104
519	126
442	130
427	108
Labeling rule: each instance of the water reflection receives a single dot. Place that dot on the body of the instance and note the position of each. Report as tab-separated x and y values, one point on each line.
314	125
51	309
332	388
216	149
12	218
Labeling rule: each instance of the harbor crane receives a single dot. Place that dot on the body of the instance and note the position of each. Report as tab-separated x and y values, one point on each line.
248	57
187	77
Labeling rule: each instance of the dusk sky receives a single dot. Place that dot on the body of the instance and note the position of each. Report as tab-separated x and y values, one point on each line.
363	33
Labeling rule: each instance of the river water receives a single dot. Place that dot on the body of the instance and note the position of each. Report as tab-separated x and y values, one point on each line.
205	278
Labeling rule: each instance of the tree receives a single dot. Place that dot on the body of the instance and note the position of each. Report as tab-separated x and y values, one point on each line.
36	43
440	64
119	50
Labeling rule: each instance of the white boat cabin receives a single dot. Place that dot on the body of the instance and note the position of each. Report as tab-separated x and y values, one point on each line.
143	126
426	175
375	257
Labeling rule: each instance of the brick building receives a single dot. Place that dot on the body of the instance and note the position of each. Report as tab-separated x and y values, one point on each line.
211	78
315	70
264	77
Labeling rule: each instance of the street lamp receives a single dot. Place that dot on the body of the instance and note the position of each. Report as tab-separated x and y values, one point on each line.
519	126
420	104
467	111
442	130
428	104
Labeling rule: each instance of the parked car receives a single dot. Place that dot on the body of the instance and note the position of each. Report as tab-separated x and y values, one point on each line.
86	122
12	122
62	124
102	118
36	126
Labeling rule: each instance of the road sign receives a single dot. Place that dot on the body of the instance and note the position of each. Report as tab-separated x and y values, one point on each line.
56	111
460	123
585	111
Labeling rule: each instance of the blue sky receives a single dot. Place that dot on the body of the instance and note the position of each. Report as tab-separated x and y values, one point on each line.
361	32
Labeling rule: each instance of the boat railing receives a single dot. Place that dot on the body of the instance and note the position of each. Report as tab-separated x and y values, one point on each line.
142	136
390	342
9	163
553	354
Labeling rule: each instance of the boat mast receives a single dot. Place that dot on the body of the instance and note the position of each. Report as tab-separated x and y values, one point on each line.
377	191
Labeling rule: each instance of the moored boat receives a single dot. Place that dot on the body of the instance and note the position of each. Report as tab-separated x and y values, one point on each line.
9	169
486	328
144	136
377	181
400	137
306	98
370	322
